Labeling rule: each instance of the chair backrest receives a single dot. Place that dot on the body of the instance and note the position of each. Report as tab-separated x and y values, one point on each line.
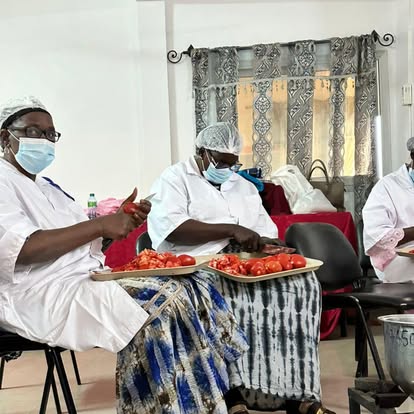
327	243
143	242
364	260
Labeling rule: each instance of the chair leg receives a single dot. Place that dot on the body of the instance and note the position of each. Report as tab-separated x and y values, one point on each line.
362	367
361	352
2	363
75	367
343	321
56	395
371	342
67	394
50	381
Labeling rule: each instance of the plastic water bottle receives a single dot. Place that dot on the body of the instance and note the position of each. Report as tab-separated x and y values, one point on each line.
92	204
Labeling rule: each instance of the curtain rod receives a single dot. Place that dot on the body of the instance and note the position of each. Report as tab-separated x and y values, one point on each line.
174	57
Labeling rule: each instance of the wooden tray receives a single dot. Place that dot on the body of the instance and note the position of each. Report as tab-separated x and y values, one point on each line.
169	271
311	264
404	252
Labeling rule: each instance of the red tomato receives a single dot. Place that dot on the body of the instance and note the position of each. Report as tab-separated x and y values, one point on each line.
186	260
273	266
242	269
248	264
258	269
297	261
130	208
173	262
284	260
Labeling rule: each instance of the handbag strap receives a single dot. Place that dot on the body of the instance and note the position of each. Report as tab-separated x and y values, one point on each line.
318	167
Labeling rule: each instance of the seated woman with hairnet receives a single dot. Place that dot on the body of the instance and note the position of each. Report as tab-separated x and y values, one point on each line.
389	223
174	337
202	207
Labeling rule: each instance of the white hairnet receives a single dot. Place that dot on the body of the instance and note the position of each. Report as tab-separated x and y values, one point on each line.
221	137
410	144
18	106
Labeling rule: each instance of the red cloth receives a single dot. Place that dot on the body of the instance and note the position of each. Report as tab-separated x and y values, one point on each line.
274	200
122	251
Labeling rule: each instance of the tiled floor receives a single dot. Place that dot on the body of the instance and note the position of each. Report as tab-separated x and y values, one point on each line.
23	379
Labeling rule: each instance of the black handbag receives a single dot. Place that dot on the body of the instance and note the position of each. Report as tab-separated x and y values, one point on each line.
333	190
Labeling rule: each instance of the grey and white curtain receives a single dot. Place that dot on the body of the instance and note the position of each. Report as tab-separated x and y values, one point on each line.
300	67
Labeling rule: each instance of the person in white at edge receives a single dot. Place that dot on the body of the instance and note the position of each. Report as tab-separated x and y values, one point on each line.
202	207
389	223
48	248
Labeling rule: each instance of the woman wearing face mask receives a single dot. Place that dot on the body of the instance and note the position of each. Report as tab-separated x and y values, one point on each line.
174	336
389	223
202	207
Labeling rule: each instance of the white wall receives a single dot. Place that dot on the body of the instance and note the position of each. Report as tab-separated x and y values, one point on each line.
86	59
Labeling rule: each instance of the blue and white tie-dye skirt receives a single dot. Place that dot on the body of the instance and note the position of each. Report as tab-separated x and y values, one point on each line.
178	362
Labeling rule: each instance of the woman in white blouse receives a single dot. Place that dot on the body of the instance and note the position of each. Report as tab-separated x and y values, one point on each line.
389	223
174	341
203	207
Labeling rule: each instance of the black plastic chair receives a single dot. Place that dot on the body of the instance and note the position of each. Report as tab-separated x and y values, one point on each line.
364	260
74	363
143	242
341	269
10	342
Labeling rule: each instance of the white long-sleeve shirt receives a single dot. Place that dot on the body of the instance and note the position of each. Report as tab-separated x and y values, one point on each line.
182	193
388	210
56	302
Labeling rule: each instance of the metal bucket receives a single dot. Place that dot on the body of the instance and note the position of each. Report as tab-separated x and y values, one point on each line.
399	349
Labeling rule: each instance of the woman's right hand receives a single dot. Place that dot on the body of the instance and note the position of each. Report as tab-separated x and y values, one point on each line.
249	239
117	226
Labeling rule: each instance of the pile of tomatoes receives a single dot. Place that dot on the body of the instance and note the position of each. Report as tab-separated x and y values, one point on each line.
233	265
150	259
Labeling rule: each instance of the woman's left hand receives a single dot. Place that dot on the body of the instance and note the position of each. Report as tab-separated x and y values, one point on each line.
141	210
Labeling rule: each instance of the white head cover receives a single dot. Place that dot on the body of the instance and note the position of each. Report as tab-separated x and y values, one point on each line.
221	137
17	105
410	144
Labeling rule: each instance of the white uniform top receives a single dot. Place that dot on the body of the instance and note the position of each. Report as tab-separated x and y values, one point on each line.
388	210
56	302
182	193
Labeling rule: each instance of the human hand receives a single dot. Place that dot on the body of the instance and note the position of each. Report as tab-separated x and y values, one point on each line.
139	211
248	239
117	226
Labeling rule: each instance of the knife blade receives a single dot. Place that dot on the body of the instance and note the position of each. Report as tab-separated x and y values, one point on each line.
149	198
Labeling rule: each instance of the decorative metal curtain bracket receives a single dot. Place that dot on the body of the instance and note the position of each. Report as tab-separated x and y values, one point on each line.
174	57
386	40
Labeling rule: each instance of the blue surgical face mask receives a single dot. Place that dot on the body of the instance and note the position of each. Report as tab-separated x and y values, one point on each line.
217	175
34	154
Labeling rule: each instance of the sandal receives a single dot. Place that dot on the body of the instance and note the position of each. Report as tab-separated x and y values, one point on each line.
314	408
238	409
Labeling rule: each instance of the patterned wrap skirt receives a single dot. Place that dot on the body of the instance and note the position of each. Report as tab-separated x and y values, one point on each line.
281	319
178	362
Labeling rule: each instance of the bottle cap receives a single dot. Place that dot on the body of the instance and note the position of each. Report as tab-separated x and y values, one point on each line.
92	195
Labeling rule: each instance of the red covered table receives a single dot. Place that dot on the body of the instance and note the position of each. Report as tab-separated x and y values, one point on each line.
120	252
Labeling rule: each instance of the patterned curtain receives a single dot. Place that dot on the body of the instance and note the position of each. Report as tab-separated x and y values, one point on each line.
266	67
354	56
218	77
301	69
215	73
